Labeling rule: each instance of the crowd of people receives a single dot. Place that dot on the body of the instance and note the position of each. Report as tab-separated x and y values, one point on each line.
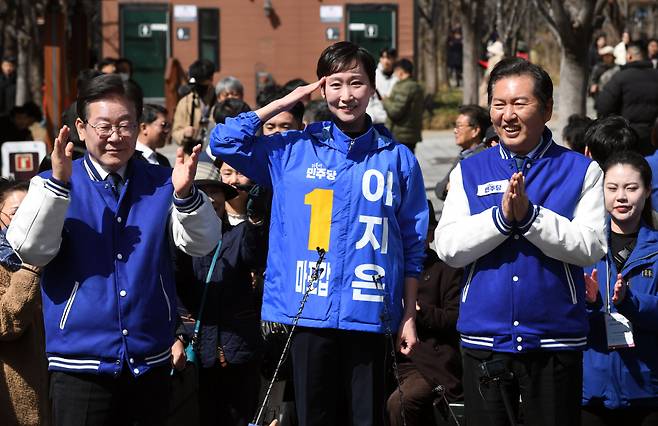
137	292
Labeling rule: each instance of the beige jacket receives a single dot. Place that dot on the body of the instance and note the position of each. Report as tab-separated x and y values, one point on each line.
182	117
23	368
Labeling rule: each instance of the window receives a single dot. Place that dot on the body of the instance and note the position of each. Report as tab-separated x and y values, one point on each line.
209	35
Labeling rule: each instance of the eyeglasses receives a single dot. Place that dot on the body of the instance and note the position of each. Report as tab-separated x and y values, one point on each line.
105	130
458	126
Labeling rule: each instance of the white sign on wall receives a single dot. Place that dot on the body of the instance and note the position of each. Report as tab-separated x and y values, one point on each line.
331	13
185	13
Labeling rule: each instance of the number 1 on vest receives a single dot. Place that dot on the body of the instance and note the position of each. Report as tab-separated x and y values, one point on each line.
321	202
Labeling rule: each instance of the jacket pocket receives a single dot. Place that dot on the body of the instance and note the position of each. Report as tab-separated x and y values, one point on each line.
69	304
570	283
164	292
468	282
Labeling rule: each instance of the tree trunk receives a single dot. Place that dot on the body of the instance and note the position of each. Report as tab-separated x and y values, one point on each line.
429	54
573	85
471	20
23	70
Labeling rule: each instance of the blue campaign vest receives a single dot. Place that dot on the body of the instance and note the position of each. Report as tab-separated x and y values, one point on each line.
109	294
363	201
516	298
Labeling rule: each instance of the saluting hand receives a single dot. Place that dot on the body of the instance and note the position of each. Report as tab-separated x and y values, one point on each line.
184	170
591	286
288	101
62	156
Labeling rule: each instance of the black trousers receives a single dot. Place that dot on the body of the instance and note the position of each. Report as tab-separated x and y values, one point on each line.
417	399
601	416
549	385
81	399
228	396
339	377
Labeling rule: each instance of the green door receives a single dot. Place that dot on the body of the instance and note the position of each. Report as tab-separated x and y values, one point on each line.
145	41
372	26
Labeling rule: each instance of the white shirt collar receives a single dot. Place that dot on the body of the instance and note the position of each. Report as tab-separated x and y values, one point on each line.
147	152
103	173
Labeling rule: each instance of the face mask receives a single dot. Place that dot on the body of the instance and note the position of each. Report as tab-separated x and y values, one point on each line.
124	76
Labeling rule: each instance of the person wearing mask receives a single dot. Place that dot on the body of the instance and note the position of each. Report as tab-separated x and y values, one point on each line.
633	93
385	79
153	134
348	196
620	364
193	115
523	218
229	88
404	106
23	370
469	129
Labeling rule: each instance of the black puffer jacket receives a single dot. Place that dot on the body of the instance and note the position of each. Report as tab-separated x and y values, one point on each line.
633	94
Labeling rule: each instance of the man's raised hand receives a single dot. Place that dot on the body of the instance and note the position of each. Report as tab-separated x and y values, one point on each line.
62	156
591	286
184	170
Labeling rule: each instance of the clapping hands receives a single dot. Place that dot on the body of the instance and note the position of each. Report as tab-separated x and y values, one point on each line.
515	200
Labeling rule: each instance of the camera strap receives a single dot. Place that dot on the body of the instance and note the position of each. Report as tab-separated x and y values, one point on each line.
312	280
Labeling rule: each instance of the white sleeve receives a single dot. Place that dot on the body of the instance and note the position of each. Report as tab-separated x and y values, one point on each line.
460	237
581	241
195	227
35	232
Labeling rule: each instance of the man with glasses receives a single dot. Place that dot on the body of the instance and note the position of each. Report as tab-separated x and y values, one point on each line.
470	128
102	227
154	132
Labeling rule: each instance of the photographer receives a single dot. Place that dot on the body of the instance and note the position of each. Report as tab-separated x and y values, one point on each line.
192	118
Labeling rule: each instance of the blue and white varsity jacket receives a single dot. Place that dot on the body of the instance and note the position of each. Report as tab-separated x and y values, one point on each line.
524	287
363	200
626	377
108	288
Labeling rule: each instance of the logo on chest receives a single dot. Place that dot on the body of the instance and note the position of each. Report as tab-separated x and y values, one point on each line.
495	187
319	171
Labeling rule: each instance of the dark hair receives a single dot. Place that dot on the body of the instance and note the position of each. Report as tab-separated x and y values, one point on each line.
150	113
477	117
654	134
291	85
388	51
266	93
344	56
609	135
297	110
9	186
317	110
574	132
106	85
105	61
543	87
639	163
229	108
406	65
29	108
637	49
201	69
85	76
124	61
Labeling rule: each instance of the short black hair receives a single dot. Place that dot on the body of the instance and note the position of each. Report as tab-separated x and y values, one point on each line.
317	110
608	135
201	69
106	85
388	51
85	76
406	65
9	186
29	108
291	85
150	113
477	117
124	61
574	132
543	87
637	48
105	61
229	108
639	163
344	56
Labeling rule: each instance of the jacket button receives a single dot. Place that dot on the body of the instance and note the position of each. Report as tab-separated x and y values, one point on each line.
131	360
123	293
119	219
519	339
516	323
515	278
136	370
125	332
119	256
516	236
519	348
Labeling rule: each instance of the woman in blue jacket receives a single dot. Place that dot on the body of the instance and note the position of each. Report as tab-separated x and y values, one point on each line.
344	186
620	384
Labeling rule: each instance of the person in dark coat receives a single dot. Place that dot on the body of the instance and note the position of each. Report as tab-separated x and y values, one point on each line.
230	348
7	85
633	94
435	362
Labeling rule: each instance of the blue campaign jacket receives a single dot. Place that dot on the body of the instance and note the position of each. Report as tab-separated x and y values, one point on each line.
626	377
516	298
362	200
109	295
